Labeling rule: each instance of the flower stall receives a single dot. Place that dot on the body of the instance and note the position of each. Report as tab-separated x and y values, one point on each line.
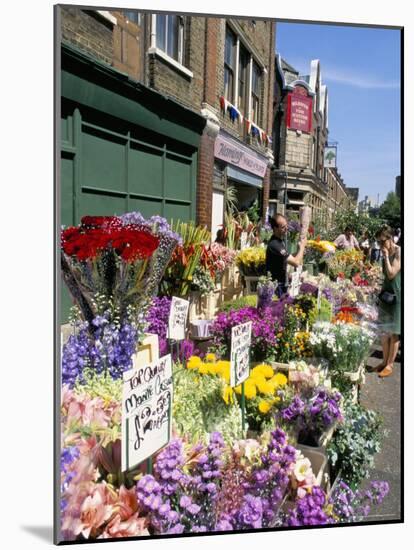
286	445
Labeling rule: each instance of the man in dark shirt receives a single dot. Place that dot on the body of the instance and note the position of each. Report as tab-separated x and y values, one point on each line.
277	256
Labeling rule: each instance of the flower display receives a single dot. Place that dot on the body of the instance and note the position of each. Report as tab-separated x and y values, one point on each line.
311	414
265	292
345	263
251	261
350	507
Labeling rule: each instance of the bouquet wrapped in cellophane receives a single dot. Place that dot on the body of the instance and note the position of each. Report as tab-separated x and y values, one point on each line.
120	259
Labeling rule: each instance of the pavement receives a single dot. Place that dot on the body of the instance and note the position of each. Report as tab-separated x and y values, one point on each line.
384	396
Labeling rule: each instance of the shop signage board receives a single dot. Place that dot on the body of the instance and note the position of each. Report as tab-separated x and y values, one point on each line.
299	112
329	157
177	320
233	153
241	337
146	411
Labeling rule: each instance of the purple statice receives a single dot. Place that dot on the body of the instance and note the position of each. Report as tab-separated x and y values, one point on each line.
109	349
156	224
264	488
308	288
349	506
67	457
309	510
264	329
169	467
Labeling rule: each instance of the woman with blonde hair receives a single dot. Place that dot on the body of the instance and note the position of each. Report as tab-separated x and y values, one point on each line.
389	300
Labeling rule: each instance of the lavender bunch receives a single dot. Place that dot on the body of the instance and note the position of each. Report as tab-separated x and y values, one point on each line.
309	510
349	506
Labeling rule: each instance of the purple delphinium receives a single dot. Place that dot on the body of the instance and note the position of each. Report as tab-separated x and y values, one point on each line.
265	292
349	506
111	349
67	457
309	510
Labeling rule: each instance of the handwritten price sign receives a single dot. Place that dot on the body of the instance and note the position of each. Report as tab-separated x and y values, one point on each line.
241	337
178	318
146	411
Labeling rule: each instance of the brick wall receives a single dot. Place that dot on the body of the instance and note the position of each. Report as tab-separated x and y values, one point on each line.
266	190
205	180
171	81
88	32
129	47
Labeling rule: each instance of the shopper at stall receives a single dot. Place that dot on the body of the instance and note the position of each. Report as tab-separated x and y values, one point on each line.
365	245
389	300
277	256
347	240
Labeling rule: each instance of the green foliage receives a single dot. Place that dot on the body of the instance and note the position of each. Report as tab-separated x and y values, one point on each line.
199	407
99	385
254	212
390	210
359	223
355	443
234	305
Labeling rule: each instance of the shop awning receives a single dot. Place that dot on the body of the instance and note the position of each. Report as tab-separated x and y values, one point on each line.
244	177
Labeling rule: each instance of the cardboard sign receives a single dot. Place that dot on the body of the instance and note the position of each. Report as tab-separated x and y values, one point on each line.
241	337
146	411
178	319
295	284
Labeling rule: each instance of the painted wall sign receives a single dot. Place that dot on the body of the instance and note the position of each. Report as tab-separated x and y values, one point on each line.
299	112
241	337
177	320
146	411
229	151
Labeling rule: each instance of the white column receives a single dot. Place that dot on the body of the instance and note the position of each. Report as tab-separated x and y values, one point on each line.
250	87
236	75
153	31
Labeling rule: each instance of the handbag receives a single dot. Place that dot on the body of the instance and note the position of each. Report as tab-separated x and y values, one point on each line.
387	298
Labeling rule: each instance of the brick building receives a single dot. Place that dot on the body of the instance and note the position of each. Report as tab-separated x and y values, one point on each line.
215	74
337	196
300	134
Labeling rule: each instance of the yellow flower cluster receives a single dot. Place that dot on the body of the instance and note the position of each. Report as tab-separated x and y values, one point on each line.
302	344
322	246
210	366
251	258
263	381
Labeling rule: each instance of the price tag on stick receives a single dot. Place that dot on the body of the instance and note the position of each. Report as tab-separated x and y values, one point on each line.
177	320
146	411
241	337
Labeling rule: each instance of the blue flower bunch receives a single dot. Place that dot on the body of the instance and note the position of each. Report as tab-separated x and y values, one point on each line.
110	349
67	457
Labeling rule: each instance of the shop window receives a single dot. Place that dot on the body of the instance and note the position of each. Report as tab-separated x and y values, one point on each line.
229	65
256	88
169	35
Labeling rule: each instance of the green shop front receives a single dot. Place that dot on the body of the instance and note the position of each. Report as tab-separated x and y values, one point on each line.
124	147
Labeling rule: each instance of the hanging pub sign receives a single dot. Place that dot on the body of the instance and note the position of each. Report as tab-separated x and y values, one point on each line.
146	411
329	157
177	320
241	337
299	112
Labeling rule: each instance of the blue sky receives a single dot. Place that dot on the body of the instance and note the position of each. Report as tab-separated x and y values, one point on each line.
361	68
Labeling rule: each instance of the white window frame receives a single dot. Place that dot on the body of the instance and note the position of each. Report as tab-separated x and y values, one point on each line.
249	74
162	54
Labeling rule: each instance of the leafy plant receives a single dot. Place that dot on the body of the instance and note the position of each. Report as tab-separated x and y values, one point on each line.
239	303
355	443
